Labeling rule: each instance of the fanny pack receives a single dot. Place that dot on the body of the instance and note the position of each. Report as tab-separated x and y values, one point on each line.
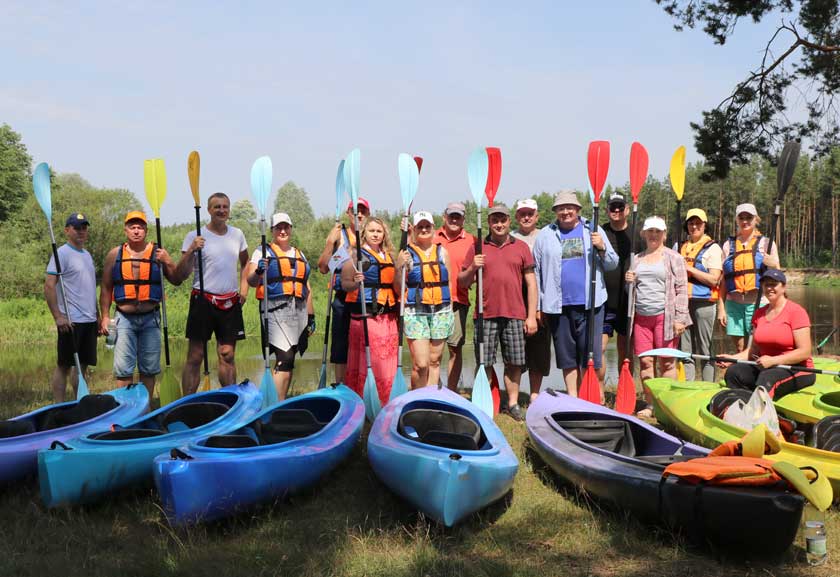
222	302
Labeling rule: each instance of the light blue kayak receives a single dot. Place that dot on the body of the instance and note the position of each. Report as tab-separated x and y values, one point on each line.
287	447
87	468
441	453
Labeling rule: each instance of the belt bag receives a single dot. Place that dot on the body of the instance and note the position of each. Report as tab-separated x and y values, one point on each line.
222	302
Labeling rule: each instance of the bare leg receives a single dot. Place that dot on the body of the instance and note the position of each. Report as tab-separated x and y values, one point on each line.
192	368
456	361
602	372
148	381
668	367
739	343
571	378
435	356
513	375
227	366
535	379
282	379
419	362
59	383
340	372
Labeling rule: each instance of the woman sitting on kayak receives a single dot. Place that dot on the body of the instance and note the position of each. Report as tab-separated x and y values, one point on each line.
781	336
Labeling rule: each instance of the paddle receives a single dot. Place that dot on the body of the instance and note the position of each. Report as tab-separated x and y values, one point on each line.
787	166
339	201
494	176
625	398
409	178
154	177
261	174
677	174
825	340
193	171
598	164
477	175
351	180
43	193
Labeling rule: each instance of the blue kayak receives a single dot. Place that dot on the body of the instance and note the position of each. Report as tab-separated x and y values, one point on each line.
21	437
441	453
87	468
287	447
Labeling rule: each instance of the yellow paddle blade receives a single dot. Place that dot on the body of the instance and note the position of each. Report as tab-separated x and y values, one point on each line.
160	184
154	178
809	481
170	389
678	172
194	169
205	383
680	371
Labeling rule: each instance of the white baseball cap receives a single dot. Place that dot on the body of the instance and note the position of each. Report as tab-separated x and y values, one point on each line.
279	218
654	223
528	203
422	215
747	207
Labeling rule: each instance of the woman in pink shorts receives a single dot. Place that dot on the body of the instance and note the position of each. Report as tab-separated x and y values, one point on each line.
661	302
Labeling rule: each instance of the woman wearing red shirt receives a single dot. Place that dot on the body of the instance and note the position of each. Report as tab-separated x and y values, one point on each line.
781	336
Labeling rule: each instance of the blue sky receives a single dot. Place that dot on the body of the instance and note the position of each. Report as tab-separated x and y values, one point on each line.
96	87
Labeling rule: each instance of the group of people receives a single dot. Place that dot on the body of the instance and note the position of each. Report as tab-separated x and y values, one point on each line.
536	291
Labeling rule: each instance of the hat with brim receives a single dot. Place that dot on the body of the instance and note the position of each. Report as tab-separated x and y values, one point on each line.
136	215
280	218
566	197
698	212
774	274
76	219
654	223
498	209
423	215
747	207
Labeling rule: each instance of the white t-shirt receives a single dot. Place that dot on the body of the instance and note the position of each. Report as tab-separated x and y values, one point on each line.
220	259
79	278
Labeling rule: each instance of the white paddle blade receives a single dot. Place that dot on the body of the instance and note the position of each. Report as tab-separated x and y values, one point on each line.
41	186
261	174
409	179
352	166
477	173
339	189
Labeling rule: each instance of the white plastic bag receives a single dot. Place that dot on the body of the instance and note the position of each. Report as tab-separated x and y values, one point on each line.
758	410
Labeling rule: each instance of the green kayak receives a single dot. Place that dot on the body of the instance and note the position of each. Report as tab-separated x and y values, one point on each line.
821	399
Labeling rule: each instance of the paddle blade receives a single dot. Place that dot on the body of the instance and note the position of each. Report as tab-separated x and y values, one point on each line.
322	377
481	394
419	161
193	171
261	174
494	174
352	166
339	190
371	397
625	398
787	166
205	383
477	174
495	392
154	180
81	387
598	164
678	172
638	169
665	352
681	371
269	392
409	179
170	390
41	186
590	387
398	386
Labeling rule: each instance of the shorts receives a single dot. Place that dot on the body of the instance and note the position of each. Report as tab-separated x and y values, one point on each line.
204	320
569	330
433	326
339	332
649	333
538	351
458	336
614	322
287	319
511	333
84	337
738	318
138	344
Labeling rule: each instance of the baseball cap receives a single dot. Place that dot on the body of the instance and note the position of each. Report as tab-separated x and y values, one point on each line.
746	207
654	223
281	217
527	203
362	201
455	208
698	212
775	274
76	219
135	215
498	209
422	215
566	197
616	198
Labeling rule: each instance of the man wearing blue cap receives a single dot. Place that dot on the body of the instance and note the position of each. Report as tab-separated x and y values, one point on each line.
77	328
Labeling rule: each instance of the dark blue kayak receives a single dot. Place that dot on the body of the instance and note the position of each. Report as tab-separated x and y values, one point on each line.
287	447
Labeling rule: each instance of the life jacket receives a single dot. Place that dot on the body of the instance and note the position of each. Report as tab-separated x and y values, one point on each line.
379	277
743	264
345	241
428	280
147	285
725	470
287	276
693	254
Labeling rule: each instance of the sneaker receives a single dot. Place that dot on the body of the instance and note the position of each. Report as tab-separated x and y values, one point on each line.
516	413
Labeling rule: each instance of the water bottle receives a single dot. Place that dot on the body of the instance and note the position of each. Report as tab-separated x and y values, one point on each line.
111	339
816	550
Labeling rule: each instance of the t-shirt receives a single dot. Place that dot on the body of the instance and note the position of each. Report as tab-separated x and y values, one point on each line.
650	288
775	337
220	259
504	269
528	239
79	277
457	249
574	266
614	279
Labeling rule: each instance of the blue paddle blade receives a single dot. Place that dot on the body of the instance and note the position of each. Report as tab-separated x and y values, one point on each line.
339	190
666	352
352	166
261	173
81	388
322	378
371	397
409	179
269	393
41	185
481	394
399	386
477	173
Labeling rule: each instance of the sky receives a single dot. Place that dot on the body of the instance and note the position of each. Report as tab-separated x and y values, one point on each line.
95	88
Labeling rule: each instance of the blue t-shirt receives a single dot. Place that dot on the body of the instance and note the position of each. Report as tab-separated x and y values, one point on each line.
574	266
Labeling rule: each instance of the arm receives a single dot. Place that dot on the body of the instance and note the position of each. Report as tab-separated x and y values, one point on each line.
187	263
62	323
350	279
106	288
403	260
243	276
531	286
330	246
609	258
771	260
682	318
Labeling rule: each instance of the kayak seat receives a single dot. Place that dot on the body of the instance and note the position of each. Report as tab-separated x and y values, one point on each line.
191	415
826	433
231	442
125	434
722	400
88	407
16	428
441	429
610	435
288	424
832	399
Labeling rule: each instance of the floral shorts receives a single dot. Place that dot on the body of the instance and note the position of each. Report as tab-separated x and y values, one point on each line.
434	326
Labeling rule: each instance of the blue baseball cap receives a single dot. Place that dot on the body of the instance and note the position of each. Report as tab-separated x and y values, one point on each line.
774	274
76	219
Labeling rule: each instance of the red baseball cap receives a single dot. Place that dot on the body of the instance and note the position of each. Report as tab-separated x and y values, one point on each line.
362	201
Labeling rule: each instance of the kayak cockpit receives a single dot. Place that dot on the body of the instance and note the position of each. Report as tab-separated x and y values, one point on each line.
442	425
58	416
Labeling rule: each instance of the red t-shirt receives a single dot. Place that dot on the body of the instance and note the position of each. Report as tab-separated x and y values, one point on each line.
775	337
457	249
504	270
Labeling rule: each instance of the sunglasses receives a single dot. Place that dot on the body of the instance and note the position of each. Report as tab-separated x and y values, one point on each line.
616	207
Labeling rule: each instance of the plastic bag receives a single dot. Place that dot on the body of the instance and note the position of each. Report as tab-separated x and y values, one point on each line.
758	410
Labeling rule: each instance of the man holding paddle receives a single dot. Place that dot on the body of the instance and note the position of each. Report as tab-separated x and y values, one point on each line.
615	315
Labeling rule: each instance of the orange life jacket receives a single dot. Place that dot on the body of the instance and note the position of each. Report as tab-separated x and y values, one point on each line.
287	276
743	264
146	286
379	277
428	280
725	470
693	255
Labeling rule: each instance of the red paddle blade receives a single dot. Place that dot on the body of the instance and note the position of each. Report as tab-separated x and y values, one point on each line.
598	164
638	169
590	387
419	161
494	173
625	398
494	391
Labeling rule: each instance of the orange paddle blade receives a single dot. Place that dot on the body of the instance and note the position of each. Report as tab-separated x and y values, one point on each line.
625	399
590	387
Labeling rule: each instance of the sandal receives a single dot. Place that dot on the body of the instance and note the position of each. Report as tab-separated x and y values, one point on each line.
646	413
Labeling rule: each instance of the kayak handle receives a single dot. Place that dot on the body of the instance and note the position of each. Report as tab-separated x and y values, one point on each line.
176	454
455	457
59	444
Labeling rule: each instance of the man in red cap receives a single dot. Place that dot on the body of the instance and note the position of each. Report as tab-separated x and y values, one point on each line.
131	277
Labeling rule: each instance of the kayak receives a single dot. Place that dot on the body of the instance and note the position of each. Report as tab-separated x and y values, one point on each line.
85	469
619	460
441	453
684	407
287	447
21	437
822	399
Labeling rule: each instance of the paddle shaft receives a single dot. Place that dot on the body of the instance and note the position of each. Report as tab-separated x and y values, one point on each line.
480	318
592	284
825	340
794	368
162	298
773	221
329	307
631	287
201	284
400	324
66	306
265	297
362	287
